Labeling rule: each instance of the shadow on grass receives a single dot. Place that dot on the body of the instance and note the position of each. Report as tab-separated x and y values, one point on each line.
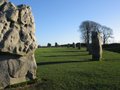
62	62
113	50
66	55
43	84
111	59
72	51
73	61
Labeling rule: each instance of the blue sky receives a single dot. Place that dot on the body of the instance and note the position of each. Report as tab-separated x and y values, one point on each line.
59	20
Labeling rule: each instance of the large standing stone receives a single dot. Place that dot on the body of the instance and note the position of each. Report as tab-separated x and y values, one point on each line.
17	44
96	46
3	1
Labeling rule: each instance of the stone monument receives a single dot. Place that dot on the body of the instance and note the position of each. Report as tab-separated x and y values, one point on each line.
78	45
74	45
17	44
96	46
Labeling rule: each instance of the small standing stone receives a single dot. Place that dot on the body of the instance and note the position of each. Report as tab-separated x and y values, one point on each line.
96	46
78	45
74	45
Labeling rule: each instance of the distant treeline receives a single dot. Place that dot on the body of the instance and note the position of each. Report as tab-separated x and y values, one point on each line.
64	45
115	47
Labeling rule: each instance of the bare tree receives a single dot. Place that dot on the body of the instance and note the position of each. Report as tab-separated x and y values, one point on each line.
49	45
107	34
86	28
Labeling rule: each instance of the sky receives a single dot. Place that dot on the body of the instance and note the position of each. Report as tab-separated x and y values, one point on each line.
59	20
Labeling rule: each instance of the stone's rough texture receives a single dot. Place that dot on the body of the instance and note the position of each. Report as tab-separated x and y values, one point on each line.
13	15
17	44
3	1
17	30
96	46
90	49
15	69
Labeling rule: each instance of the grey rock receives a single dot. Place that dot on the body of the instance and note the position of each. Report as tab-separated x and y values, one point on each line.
74	45
8	7
13	15
18	37
2	2
17	44
96	46
11	12
90	49
16	69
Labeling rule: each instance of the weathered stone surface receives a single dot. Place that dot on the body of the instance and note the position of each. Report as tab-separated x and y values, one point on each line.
96	46
13	15
90	49
16	69
3	1
17	36
17	44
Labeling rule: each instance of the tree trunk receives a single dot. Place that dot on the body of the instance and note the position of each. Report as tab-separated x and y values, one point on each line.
88	37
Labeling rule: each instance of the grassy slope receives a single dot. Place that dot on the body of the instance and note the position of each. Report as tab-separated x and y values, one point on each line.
71	69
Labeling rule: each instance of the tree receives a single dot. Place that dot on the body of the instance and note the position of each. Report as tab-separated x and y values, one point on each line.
107	34
39	46
56	45
48	45
68	45
86	28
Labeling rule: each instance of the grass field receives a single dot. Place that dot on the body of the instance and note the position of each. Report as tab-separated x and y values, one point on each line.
73	69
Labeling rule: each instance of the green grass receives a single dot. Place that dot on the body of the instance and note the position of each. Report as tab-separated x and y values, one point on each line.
73	69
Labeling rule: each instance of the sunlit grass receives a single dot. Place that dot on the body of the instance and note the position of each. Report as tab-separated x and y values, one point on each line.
72	69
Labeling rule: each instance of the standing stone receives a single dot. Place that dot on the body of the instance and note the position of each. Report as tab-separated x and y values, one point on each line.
78	45
2	2
90	49
17	44
96	46
74	45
